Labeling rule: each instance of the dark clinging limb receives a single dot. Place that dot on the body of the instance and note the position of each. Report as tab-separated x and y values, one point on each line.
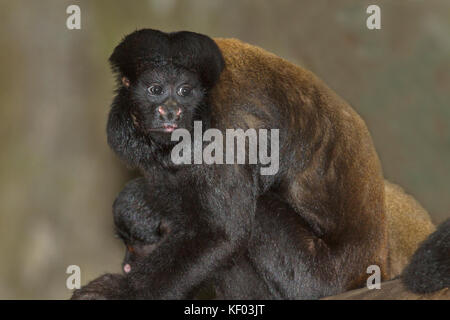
106	287
429	269
216	228
159	224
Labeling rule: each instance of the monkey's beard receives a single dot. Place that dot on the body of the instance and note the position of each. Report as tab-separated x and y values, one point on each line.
158	137
160	133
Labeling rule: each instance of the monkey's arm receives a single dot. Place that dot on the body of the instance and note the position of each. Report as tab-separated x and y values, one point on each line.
106	287
218	211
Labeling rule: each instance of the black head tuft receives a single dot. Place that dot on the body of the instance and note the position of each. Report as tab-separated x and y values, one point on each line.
146	49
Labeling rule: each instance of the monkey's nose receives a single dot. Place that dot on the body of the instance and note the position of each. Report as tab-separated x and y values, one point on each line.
169	114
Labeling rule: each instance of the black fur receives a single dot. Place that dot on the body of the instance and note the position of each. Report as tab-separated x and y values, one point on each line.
429	269
146	216
106	287
141	212
149	49
170	59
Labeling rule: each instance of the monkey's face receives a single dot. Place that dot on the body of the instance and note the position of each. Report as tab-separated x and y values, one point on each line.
135	253
141	240
136	248
165	99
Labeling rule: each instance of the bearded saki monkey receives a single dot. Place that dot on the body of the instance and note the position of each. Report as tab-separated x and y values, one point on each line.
329	172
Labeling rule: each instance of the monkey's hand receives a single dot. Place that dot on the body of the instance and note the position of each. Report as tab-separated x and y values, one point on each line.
106	287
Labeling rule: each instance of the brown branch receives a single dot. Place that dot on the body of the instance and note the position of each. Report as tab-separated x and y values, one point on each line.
390	290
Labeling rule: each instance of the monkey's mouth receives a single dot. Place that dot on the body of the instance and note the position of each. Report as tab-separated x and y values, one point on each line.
126	268
166	127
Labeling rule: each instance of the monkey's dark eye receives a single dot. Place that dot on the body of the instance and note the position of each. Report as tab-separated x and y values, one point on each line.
155	89
184	90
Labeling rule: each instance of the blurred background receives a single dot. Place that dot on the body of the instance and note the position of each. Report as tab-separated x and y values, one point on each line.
58	178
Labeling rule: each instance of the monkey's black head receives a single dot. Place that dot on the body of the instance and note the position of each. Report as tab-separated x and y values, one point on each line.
148	49
164	99
142	223
164	80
